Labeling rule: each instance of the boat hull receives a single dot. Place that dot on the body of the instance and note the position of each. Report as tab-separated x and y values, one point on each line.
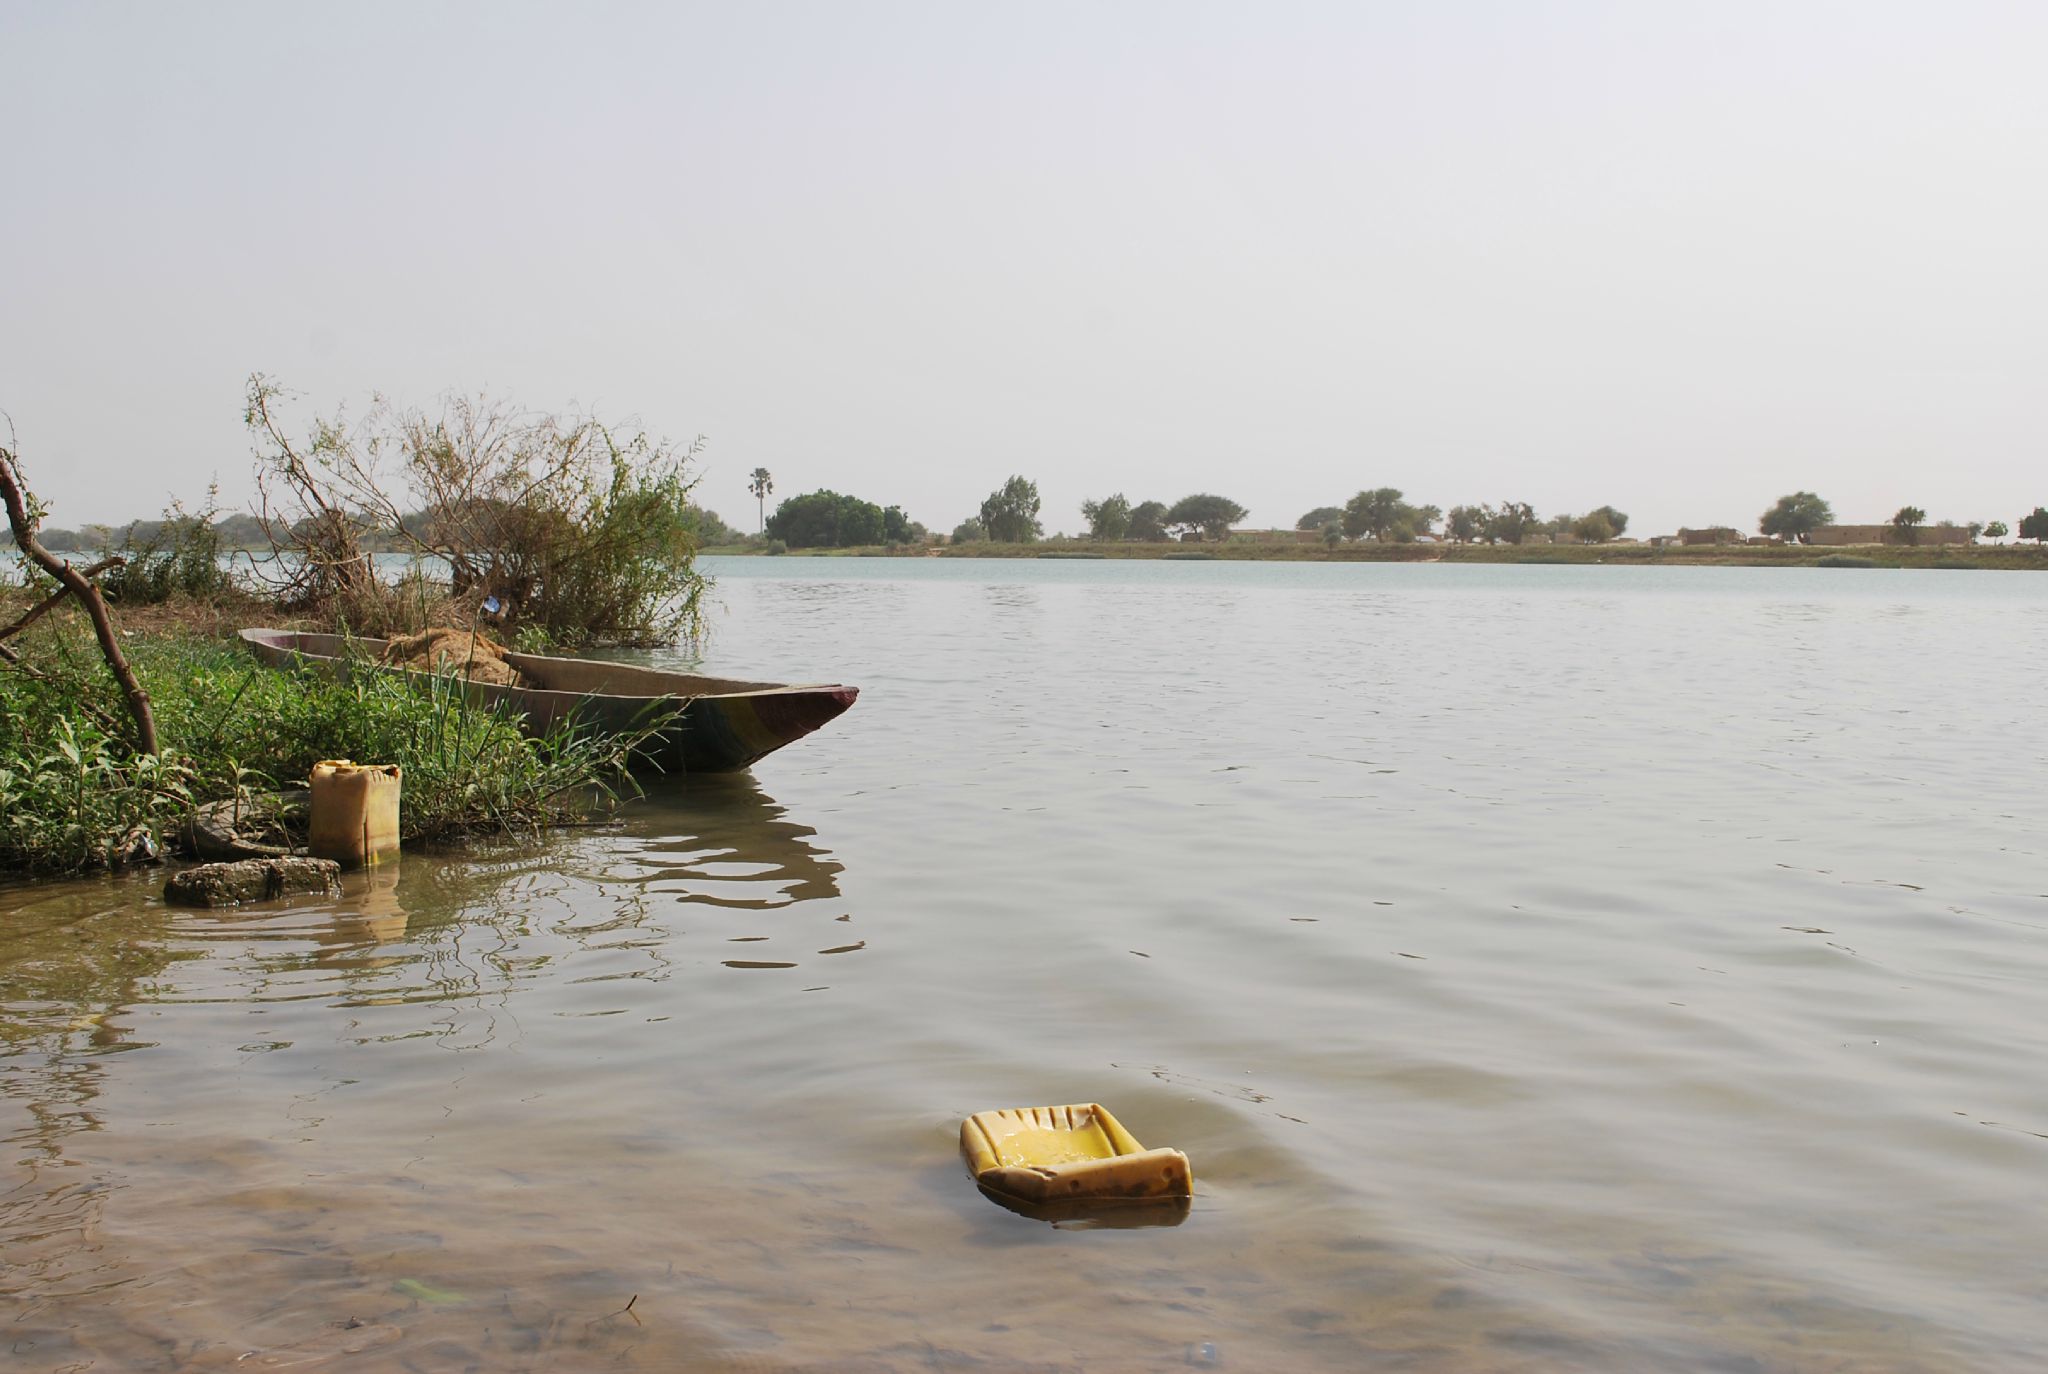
707	724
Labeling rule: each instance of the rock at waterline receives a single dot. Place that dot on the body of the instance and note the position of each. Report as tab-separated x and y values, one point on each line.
253	880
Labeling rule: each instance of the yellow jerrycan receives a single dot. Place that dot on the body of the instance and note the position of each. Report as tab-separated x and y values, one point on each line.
355	812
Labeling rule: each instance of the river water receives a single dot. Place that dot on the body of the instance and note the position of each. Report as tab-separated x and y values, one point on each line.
1545	968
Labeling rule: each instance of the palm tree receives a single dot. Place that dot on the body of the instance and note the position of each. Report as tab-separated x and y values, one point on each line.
761	485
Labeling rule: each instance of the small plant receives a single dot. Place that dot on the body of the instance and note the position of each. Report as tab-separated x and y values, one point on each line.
1844	560
83	800
178	555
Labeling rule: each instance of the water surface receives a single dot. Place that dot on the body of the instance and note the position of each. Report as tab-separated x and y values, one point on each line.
1545	968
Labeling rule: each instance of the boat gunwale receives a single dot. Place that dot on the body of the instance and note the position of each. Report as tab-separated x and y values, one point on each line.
269	639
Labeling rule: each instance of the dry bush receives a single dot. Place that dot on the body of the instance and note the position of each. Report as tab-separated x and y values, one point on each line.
578	531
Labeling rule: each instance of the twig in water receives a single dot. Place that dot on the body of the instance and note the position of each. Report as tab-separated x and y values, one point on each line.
626	1311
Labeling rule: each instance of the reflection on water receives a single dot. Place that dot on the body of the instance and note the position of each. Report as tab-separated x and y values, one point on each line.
733	849
1543	969
312	1005
1093	1214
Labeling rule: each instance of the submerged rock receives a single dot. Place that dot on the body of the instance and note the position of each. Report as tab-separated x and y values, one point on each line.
253	880
260	827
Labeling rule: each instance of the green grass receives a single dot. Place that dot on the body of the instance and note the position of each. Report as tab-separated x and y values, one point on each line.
73	794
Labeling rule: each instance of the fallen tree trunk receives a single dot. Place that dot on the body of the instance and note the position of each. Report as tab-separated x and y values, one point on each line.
88	595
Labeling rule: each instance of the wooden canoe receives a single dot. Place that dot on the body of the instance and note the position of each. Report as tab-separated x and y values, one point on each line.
713	724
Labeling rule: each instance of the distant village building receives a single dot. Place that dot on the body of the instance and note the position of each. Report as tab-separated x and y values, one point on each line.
1716	534
1839	535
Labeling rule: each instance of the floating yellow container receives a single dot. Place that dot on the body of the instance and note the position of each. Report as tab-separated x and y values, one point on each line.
1043	1155
354	812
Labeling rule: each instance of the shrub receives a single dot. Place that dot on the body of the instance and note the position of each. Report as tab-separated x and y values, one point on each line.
178	555
582	528
80	800
1844	560
828	520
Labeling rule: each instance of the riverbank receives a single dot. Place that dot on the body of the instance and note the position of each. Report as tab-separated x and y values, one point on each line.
2003	557
76	794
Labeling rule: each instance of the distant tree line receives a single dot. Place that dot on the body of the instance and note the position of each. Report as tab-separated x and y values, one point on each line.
241	531
1204	515
1384	515
828	519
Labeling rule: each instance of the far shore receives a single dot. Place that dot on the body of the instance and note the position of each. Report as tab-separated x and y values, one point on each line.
1948	556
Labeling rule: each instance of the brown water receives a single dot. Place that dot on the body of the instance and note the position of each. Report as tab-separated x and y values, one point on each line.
1545	968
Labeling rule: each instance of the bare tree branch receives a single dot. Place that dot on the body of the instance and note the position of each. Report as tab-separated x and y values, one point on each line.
49	603
24	527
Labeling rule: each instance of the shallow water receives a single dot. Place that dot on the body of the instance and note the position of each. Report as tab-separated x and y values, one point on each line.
1545	968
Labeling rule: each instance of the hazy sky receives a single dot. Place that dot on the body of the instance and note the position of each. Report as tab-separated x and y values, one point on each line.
1680	258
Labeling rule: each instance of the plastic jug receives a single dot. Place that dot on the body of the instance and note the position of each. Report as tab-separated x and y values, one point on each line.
355	812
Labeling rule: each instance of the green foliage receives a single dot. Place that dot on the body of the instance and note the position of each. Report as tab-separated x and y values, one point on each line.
1844	560
1210	515
614	562
1906	524
1796	516
72	541
1593	528
708	531
1320	518
1333	534
2035	526
969	531
1465	523
178	555
1371	514
74	795
827	520
1148	522
1381	514
1108	519
1616	521
761	483
77	798
467	765
580	527
1996	529
1010	515
1511	523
